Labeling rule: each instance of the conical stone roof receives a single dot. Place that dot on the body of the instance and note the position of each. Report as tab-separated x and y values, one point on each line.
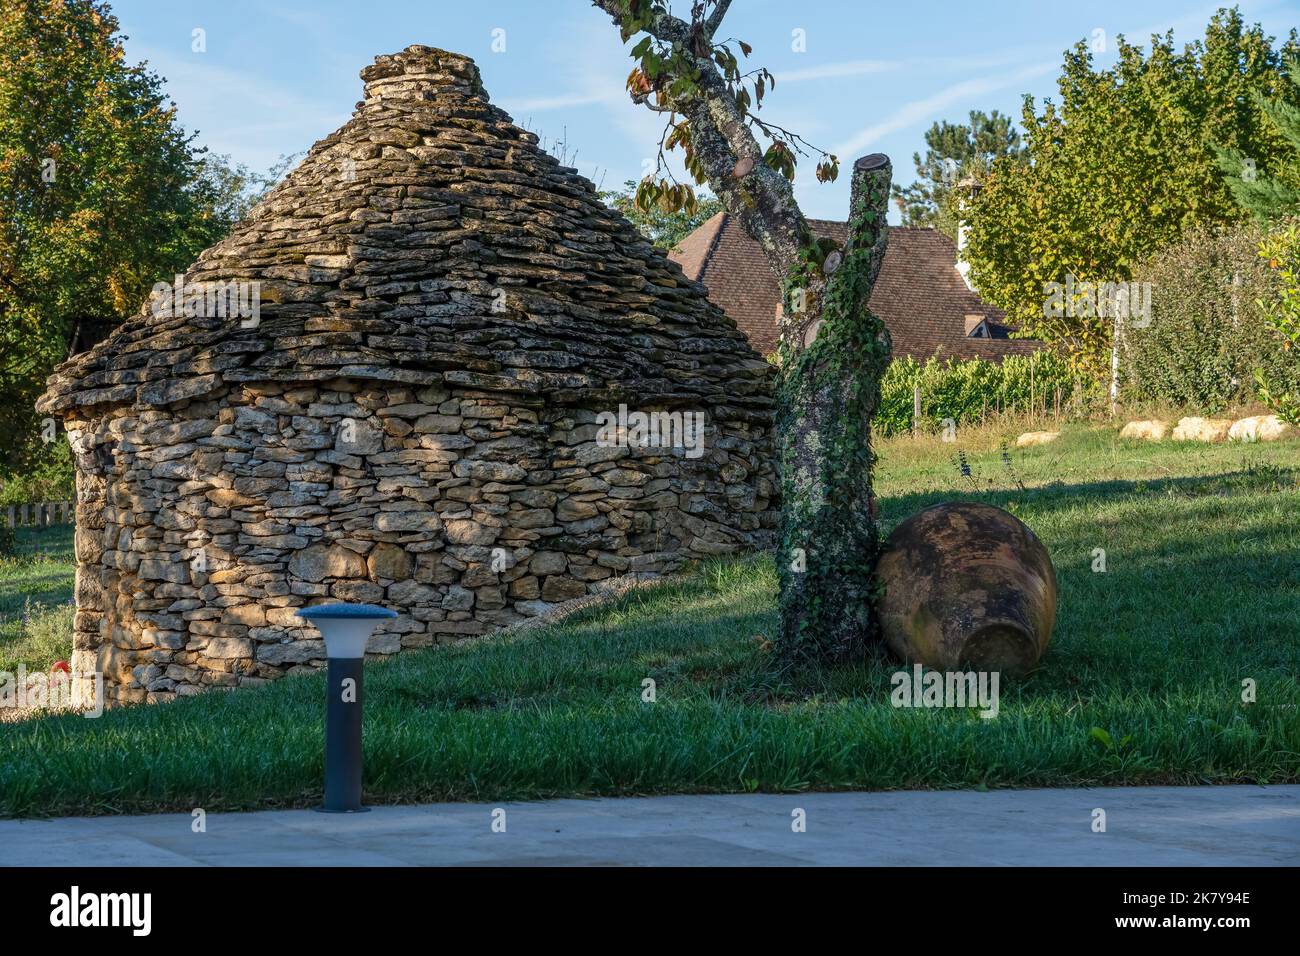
431	239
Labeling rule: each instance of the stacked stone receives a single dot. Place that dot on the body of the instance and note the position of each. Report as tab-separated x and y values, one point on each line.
412	419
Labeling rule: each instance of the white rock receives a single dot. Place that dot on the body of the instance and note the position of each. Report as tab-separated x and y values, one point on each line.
1151	430
1202	429
228	648
291	652
1036	438
1259	428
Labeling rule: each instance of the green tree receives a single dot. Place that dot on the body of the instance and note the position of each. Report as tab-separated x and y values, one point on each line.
1268	196
663	228
1119	169
101	195
955	152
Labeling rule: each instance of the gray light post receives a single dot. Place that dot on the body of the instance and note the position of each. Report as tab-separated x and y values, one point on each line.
345	628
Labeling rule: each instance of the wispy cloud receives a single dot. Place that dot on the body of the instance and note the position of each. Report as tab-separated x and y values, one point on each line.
823	71
826	71
210	96
919	111
562	102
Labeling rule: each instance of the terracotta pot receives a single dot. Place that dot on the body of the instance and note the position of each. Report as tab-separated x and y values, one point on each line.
967	587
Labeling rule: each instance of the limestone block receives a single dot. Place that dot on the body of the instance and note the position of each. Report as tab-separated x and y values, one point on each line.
1150	430
389	561
1260	428
458	599
228	648
319	561
1202	429
556	588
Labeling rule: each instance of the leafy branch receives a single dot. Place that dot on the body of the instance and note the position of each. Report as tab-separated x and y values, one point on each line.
670	59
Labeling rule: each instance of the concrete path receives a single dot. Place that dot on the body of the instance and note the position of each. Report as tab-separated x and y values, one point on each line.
1170	826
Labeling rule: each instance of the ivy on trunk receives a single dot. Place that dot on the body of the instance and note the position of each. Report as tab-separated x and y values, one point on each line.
834	351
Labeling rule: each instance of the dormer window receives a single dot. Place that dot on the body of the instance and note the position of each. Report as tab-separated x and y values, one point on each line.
977	327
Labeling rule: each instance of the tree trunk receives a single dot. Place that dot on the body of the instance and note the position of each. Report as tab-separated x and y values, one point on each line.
834	352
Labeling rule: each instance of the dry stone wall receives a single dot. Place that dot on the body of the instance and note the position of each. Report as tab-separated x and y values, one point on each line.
464	511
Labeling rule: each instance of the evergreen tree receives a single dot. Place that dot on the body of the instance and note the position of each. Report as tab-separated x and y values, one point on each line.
954	152
1264	196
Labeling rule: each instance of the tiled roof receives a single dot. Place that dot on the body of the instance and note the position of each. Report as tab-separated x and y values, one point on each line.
919	294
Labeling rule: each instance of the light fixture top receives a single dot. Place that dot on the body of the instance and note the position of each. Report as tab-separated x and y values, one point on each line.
325	612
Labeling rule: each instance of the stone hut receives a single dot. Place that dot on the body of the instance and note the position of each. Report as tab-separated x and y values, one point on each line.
393	383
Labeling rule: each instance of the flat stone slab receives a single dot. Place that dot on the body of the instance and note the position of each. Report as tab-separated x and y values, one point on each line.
1145	826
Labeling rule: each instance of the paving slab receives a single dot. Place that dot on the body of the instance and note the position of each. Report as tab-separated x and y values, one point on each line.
1144	826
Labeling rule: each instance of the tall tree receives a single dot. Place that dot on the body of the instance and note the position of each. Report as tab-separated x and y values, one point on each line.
833	350
1270	194
955	152
101	194
1120	168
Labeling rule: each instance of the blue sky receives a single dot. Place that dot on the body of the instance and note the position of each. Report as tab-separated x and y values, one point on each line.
277	75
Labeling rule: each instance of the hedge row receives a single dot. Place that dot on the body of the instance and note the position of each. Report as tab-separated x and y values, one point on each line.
1208	334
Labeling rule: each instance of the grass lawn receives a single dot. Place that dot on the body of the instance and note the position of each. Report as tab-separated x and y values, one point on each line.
36	599
1201	591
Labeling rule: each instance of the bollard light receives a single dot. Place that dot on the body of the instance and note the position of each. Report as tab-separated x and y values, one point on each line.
345	628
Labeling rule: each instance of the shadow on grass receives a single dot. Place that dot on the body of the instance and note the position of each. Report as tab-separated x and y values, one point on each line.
54	543
1047	497
49	588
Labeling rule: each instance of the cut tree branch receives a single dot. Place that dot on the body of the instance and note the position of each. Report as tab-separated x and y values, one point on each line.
833	350
871	180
